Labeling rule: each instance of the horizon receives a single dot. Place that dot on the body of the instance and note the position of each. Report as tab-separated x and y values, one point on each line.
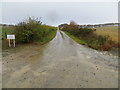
54	13
69	23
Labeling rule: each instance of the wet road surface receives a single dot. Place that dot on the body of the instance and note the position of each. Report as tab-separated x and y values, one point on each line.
62	63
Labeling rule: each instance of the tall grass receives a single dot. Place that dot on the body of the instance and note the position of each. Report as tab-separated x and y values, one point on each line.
112	31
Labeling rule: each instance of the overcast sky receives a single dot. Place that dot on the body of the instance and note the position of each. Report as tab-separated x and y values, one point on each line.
55	13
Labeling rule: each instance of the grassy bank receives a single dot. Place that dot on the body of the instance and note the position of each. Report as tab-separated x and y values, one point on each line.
105	47
75	38
89	37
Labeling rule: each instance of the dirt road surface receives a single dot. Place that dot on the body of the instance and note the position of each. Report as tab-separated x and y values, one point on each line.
62	63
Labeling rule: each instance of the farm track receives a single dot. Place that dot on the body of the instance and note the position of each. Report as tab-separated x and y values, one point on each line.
61	63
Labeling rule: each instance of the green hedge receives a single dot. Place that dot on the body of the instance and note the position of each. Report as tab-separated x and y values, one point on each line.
32	30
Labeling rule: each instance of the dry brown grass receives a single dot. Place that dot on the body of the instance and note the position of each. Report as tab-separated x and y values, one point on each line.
112	31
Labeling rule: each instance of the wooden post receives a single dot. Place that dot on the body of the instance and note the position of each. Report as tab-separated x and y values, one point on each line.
14	42
9	43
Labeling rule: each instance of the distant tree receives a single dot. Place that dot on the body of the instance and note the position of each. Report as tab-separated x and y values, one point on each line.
73	23
62	25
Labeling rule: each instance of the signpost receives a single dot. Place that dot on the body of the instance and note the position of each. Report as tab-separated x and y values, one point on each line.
11	37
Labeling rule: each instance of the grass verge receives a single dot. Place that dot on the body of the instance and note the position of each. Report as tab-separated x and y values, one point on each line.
76	39
104	47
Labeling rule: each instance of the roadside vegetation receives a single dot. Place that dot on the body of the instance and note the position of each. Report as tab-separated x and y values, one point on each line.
33	30
6	30
88	37
30	31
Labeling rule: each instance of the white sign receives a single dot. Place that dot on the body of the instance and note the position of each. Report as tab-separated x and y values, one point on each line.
10	36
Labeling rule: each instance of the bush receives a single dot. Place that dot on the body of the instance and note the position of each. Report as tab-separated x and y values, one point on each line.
42	31
32	30
76	31
106	46
92	40
25	30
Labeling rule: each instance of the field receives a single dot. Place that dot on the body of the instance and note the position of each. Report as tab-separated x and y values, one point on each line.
6	30
112	31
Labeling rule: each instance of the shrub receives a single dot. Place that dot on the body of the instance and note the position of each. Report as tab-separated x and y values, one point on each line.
92	40
32	30
25	30
105	46
42	31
